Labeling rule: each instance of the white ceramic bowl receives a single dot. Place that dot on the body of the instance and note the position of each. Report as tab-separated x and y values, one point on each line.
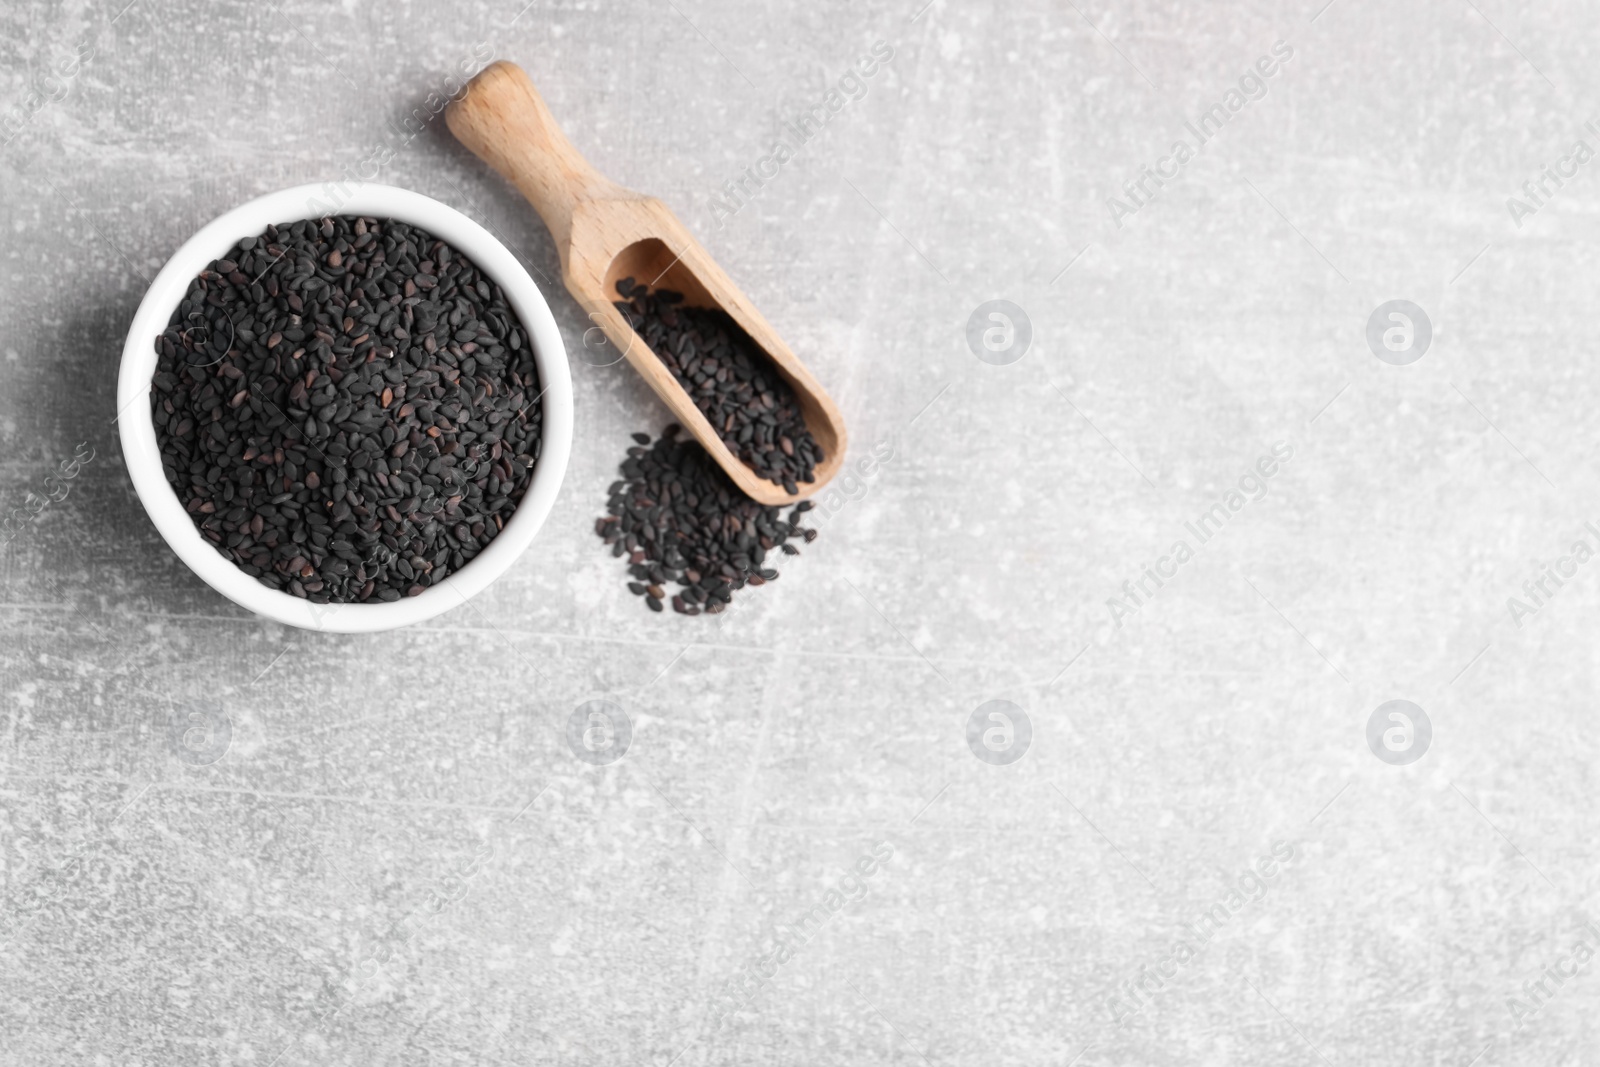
144	457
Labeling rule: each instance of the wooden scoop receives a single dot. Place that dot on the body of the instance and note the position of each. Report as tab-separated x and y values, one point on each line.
607	233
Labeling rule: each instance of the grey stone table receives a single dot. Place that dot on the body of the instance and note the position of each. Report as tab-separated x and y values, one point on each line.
1199	512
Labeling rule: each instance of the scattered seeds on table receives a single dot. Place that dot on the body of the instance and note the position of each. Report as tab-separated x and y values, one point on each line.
347	407
731	380
678	518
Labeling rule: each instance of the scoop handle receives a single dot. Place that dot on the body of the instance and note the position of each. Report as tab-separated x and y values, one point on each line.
505	123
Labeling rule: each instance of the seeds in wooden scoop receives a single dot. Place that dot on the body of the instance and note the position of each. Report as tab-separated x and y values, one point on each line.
678	517
731	380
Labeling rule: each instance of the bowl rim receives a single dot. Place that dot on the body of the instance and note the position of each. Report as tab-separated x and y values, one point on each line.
136	427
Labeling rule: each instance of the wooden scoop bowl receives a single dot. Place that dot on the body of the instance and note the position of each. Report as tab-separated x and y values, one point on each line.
606	233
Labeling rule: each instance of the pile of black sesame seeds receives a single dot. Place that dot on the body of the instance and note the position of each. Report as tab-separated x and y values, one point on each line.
730	379
347	407
678	518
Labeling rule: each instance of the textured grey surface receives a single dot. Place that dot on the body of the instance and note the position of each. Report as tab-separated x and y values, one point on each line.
397	859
